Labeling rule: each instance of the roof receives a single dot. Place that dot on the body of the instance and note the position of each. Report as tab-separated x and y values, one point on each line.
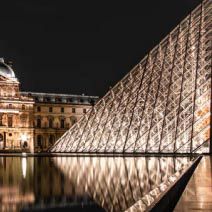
6	70
61	98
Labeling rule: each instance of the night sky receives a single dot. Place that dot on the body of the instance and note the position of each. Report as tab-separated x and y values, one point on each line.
63	47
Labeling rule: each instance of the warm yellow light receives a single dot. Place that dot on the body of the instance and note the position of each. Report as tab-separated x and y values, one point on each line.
24	166
23	137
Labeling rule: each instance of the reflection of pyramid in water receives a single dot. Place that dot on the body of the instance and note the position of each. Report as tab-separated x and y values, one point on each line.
162	105
117	183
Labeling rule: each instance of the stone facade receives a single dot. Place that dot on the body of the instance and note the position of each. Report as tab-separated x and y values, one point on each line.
54	114
32	121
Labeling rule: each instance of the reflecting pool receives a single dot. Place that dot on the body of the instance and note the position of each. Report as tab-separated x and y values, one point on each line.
82	183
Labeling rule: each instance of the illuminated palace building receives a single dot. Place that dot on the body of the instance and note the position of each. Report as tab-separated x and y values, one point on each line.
34	121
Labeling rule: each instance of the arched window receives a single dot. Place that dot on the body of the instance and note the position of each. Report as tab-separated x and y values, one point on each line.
51	139
25	145
39	141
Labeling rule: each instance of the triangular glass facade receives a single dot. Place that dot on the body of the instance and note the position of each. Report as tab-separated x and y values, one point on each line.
163	105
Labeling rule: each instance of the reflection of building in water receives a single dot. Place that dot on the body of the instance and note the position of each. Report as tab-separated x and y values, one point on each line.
114	184
29	180
15	183
34	121
47	183
117	183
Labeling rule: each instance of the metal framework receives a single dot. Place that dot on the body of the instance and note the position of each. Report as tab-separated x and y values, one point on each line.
117	183
163	105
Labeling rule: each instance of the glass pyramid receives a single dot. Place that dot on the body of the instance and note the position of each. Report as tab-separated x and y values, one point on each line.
163	105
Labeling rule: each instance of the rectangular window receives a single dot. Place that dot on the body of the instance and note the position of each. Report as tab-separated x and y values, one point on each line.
84	110
62	123
10	121
38	109
39	123
73	110
50	123
1	117
62	109
50	109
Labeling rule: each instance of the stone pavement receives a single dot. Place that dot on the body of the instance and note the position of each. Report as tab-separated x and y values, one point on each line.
197	195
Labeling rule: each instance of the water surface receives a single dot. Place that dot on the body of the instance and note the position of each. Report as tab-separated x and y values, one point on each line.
81	183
